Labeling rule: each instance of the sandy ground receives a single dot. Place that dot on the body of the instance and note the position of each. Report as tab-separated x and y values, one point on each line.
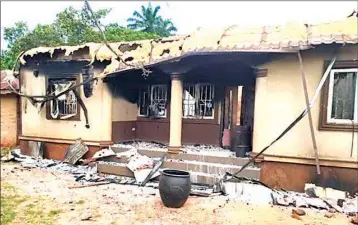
125	204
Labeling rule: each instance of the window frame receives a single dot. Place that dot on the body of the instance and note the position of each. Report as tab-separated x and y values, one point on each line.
77	117
330	96
326	123
197	97
150	88
139	101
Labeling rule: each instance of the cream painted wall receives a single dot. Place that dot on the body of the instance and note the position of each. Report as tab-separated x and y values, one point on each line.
9	118
99	107
280	99
123	110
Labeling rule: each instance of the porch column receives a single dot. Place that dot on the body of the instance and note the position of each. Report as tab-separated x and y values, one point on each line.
176	111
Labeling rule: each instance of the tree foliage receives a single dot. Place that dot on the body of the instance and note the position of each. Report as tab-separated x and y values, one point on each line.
71	27
148	20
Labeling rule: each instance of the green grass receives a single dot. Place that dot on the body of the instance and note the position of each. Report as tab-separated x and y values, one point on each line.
5	151
9	203
16	208
80	202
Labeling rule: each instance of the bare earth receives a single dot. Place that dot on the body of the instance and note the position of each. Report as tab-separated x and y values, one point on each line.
124	204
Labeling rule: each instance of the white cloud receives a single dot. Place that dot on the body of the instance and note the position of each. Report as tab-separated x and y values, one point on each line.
187	15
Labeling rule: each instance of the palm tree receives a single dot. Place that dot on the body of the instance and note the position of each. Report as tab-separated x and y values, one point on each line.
149	21
165	27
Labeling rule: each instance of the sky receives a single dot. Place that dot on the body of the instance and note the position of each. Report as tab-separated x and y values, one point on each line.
187	16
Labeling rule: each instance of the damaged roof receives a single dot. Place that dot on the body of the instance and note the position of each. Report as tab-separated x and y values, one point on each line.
7	75
290	37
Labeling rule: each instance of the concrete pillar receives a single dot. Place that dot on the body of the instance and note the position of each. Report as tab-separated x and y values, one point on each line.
176	111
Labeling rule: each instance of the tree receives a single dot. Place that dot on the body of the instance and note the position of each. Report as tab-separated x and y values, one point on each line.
165	27
71	27
115	32
149	21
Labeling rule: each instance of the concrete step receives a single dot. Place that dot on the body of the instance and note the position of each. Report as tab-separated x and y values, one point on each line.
201	172
189	156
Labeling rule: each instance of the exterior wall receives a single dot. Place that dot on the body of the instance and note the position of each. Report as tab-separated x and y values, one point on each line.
280	99
124	117
293	176
126	125
35	124
9	120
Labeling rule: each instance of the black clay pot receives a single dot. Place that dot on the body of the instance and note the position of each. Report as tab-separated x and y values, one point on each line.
174	188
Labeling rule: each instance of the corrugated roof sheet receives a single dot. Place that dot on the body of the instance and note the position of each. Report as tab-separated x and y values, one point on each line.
7	75
290	37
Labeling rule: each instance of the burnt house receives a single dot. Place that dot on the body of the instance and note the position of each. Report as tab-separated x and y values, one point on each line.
233	87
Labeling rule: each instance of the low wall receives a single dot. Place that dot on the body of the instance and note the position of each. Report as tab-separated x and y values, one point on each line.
158	130
57	151
292	176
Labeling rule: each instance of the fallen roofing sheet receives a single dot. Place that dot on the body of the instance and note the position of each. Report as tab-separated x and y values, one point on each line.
290	37
7	76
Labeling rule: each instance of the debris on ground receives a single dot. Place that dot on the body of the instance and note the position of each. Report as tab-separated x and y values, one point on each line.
329	215
141	145
295	216
235	188
104	153
354	220
154	170
196	149
141	166
319	192
75	152
299	212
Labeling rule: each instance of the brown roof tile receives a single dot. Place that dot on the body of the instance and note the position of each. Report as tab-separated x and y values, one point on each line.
292	36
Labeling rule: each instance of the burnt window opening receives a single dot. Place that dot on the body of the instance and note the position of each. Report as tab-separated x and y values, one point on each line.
342	96
152	101
130	58
198	101
65	106
87	74
165	51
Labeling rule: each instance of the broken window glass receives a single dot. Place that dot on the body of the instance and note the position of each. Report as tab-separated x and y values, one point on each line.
65	106
152	101
198	101
343	96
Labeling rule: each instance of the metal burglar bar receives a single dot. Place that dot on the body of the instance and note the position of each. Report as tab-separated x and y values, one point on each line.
198	101
159	99
153	97
65	106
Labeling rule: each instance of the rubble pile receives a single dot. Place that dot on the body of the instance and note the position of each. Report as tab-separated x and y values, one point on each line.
207	150
194	149
256	192
142	145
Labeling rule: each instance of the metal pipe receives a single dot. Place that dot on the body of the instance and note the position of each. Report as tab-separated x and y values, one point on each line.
304	82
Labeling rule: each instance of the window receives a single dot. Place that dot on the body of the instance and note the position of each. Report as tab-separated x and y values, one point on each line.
339	100
198	101
342	96
152	101
65	106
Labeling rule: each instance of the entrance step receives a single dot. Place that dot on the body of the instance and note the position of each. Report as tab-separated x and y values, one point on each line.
199	157
201	172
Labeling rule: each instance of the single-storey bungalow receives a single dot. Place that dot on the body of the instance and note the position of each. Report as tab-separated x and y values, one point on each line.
10	110
236	86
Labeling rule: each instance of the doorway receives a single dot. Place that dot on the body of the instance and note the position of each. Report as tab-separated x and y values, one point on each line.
238	119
